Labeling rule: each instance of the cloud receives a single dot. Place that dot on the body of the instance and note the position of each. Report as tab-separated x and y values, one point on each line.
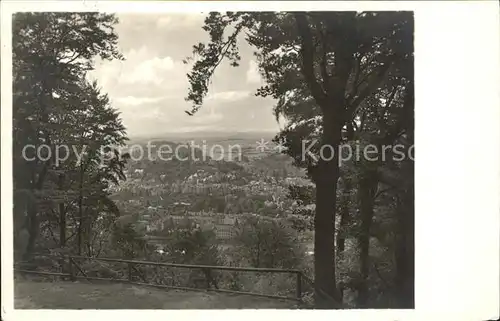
206	119
228	95
253	75
106	73
145	69
180	20
135	101
163	22
143	73
189	129
149	87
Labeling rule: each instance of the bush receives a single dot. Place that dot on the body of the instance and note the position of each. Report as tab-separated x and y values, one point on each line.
263	242
188	245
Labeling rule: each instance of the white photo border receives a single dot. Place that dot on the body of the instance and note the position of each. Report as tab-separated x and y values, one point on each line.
457	117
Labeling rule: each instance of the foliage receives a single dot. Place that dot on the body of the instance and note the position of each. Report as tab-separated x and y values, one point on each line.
55	105
266	243
338	77
192	245
127	242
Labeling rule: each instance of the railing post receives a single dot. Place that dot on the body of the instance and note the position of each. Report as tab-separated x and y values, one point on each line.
62	263
207	277
130	272
299	286
70	269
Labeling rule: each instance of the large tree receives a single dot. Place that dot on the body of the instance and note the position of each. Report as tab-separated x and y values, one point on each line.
324	63
52	105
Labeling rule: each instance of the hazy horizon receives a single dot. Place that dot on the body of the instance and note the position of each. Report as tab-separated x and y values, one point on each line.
207	134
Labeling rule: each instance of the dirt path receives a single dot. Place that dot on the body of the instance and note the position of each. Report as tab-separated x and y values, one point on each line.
67	295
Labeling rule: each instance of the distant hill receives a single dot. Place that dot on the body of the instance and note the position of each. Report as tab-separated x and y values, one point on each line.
204	135
166	148
229	141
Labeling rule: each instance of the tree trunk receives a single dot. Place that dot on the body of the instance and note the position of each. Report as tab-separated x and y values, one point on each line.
344	213
62	225
88	235
62	233
80	211
366	190
62	216
330	96
341	234
87	232
37	182
405	250
326	177
33	226
344	216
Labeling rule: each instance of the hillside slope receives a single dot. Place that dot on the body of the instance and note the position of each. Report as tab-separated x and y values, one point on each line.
68	295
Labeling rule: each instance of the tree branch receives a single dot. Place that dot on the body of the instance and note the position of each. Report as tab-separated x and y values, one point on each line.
324	60
391	97
380	275
75	56
51	233
357	84
194	77
373	83
307	52
389	178
382	191
362	121
357	72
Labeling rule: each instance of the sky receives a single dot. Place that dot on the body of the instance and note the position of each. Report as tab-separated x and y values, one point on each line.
149	87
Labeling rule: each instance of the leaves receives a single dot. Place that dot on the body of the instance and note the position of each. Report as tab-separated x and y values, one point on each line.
337	77
57	111
266	243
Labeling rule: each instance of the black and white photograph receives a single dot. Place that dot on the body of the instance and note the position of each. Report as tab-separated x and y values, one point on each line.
220	159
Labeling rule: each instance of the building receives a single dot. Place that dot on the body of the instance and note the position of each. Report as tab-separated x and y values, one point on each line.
227	230
224	232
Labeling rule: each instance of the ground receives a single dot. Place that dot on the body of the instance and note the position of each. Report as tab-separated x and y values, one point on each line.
83	295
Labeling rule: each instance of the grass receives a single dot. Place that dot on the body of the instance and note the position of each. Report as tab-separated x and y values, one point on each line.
84	295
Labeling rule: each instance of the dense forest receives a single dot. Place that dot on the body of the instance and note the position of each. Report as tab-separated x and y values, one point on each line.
343	79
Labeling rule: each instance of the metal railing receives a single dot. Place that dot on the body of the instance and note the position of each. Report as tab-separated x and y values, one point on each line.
72	270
